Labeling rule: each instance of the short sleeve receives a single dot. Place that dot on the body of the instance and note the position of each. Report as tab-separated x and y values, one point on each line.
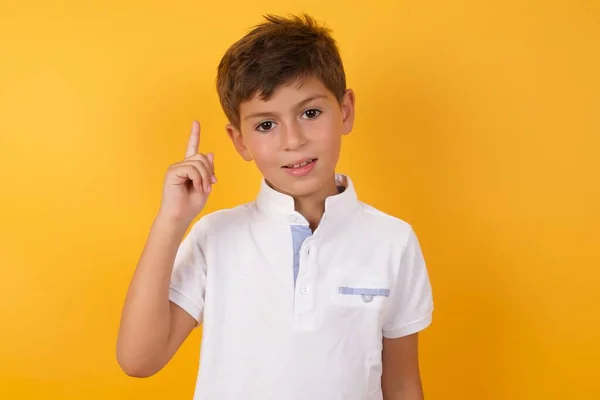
411	306
188	279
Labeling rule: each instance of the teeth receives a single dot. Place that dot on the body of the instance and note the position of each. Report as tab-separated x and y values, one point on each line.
301	164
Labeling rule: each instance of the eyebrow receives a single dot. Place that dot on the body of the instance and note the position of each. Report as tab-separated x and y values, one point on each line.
299	105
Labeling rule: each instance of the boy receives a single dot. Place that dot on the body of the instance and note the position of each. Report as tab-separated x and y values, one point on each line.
305	293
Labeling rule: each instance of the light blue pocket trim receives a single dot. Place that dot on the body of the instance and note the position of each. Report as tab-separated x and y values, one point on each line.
364	291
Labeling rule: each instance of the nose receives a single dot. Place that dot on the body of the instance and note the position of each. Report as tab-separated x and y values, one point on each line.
293	137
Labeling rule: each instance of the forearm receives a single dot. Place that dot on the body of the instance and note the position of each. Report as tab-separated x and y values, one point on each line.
146	320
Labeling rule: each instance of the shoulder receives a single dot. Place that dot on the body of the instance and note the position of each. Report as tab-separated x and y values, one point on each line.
223	220
382	224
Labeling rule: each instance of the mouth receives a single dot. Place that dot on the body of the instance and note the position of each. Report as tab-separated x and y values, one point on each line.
301	163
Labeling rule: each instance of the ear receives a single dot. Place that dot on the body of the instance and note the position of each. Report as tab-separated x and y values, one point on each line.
238	141
348	111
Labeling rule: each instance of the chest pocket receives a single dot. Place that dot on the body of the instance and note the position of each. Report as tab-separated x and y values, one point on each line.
353	289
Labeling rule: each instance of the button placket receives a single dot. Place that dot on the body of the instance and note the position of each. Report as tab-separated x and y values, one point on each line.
306	289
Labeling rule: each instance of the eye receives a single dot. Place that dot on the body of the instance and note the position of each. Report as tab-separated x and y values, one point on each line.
312	113
265	126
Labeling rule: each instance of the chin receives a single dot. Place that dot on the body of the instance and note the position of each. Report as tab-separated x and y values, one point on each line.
299	186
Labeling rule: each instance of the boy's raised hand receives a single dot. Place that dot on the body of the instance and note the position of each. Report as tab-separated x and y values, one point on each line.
188	183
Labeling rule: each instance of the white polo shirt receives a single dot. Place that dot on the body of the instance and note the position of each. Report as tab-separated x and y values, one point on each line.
288	314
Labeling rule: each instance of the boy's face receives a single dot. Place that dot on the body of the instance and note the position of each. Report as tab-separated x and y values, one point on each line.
295	137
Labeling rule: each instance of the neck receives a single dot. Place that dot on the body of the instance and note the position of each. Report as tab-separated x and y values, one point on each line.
312	206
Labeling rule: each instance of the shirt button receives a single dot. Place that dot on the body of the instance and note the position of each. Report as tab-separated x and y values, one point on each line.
293	218
304	289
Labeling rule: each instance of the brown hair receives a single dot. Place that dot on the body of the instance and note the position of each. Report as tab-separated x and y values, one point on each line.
274	53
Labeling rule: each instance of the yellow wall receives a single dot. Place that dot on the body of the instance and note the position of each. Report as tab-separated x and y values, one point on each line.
478	122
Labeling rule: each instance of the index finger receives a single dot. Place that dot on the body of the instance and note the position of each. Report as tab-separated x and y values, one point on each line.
194	141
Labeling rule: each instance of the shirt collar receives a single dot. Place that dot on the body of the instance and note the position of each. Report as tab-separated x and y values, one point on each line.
281	206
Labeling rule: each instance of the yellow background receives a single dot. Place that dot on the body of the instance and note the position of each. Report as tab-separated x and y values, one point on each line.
477	122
